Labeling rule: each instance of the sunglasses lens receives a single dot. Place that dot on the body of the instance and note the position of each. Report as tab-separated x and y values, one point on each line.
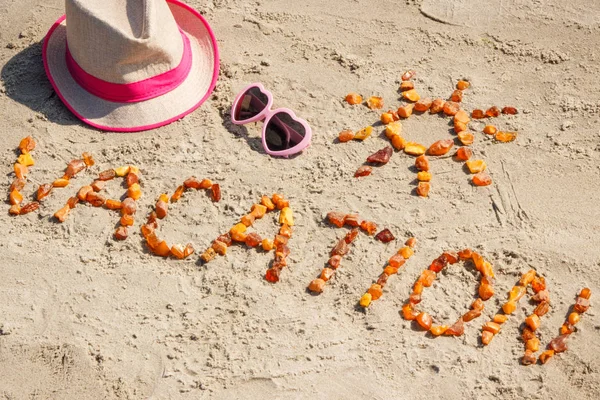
283	132
252	103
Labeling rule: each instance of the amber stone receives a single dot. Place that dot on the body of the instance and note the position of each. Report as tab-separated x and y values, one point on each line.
121	233
411	242
352	220
61	215
546	355
389	270
340	249
353	98
30	207
406	85
437	106
375	102
215	192
456	96
350	236
529	358
509	110
581	305
369	227
574	318
15	197
509	307
470	315
20	171
424	320
382	279
538	284
282	250
558	344
423	189
74	167
72	202
422	163
161	209
408	75
406	252
177	194
492	111
127	220
438	330
408	313
440	147
477	114
406	110
27	144
505	137
457	329
327	273
188	250
286	231
466	138
267	245
396	261
533	322
381	156
423	105
527	334
317	286
17	184
486	291
147	229
459	126
424	176
542	309
248	219
128	206
385	236
398	142
462	85
542	295
486	337
585	292
336	218
107	175
387	118
272	275
345	136
476	166
500	318
438	264
411	95
192	182
88	159
208	255
427	277
465	254
95	199
477	305
481	179
451	107
334	261
253	239
364	170
134	191
280	239
177	251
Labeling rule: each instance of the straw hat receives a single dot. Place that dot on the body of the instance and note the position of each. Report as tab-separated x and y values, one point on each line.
131	65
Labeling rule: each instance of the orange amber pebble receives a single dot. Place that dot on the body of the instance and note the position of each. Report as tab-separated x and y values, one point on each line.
279	201
492	111
327	273
406	252
456	96
450	256
408	75
267	245
98	185
546	355
465	254
15	197
177	251
406	111
528	358
427	277
477	114
585	293
353	98
459	127
538	284
215	192
74	167
574	318
121	233
161	209
481	179
20	171
219	247
440	147
128	206
408	313
422	163
177	194
533	344
406	85
505	137
369	227
464	153
438	330
248	219
466	138
387	118
423	189
134	191
509	307
317	286
516	293
127	220
188	250
486	291
462	116
471	315
26	145
345	136
389	270
411	242
192	182
88	160
336	218
113	204
266	201
451	108
61	215
364	170
253	239
533	322
418	288
95	199
272	274
424	320
414	149
486	337
437	106
162	249
423	105
462	85
29	207
558	344
491	327
375	291
375	102
490	130
107	175
60	182
208	255
500	318
527	278
72	202
43	191
26	160
396	261
258	210
509	110
478	305
542	309
476	166
365	300
457	329
411	95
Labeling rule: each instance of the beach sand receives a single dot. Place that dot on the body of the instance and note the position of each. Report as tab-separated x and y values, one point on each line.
83	316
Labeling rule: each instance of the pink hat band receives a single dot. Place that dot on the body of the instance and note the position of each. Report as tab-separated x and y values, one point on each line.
145	89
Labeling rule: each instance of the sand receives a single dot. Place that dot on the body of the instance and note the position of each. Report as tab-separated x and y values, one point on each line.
83	316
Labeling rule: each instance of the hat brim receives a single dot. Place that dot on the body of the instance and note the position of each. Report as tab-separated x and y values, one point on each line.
143	115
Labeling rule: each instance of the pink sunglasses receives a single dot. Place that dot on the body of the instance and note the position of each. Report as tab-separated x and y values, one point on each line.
283	134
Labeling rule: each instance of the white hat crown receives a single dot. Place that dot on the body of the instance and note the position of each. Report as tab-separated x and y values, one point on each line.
123	41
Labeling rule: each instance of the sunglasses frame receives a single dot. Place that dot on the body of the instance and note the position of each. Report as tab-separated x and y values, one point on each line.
267	113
